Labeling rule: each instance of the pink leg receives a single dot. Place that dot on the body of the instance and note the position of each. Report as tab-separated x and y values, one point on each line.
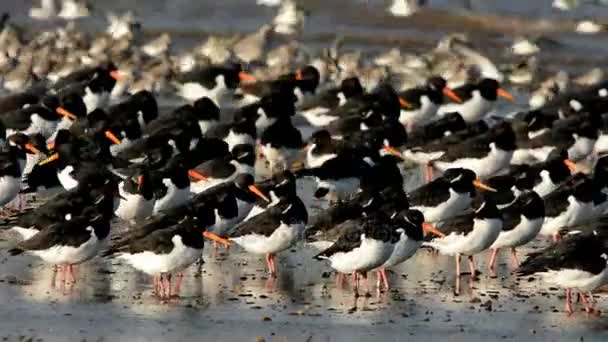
591	299
472	267
384	275
273	266
64	269
169	286
71	272
161	287
178	285
492	263
269	263
514	258
340	280
556	237
568	307
457	290
356	281
366	279
586	302
428	173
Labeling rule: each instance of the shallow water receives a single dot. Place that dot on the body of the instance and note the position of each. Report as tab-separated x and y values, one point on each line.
232	299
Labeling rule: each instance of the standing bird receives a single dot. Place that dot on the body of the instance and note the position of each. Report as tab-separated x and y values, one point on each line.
272	231
577	262
522	221
70	242
469	235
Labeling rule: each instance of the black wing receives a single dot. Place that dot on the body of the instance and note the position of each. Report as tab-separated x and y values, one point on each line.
350	240
431	194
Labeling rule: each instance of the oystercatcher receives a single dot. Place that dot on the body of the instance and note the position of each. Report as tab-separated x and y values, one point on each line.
569	205
217	82
477	99
281	144
272	231
469	235
446	196
136	197
70	242
486	155
225	169
420	104
318	110
522	221
577	262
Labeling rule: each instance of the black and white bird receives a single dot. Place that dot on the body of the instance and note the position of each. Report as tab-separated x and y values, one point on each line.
469	235
420	104
136	197
522	222
318	111
577	262
272	231
69	243
216	171
477	99
447	196
281	144
166	250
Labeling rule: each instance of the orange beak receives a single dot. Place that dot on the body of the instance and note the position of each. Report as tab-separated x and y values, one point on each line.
50	146
31	148
196	175
570	164
478	184
392	150
115	75
216	238
65	113
451	94
112	137
245	77
428	228
258	192
299	75
505	94
52	158
405	104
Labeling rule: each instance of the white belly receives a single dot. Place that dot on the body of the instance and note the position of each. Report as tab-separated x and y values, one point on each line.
523	233
575	214
577	279
180	257
369	255
281	239
173	198
485	167
483	235
419	116
316	117
133	206
72	255
472	110
455	205
66	180
404	249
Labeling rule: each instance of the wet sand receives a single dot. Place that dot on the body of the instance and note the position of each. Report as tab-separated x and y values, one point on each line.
231	298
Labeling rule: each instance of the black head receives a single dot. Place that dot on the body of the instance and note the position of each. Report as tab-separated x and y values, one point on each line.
488	88
384	173
385	101
436	83
583	189
370	202
244	180
600	172
487	210
557	166
244	154
232	73
321	138
537	120
103	79
308	78
51	102
412	224
461	180
532	205
284	184
206	109
145	102
244	127
393	132
176	170
586	130
351	87
145	185
74	104
503	136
